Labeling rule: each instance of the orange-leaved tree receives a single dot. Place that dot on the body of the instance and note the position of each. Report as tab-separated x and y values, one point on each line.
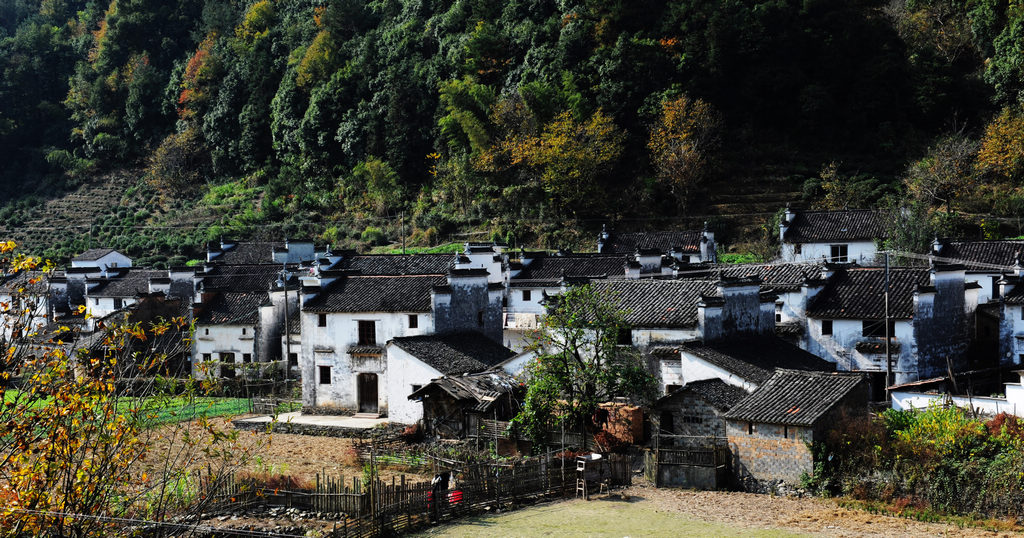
93	433
683	138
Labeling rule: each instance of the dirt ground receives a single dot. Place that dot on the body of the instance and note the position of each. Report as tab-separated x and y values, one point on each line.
647	511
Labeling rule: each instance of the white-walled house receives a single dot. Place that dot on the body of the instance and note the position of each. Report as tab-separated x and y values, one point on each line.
930	312
25	291
985	261
742	361
227	326
347	319
847	236
102	259
231	252
115	289
534	276
413	361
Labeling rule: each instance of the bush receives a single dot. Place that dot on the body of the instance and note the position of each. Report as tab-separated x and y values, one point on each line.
374	236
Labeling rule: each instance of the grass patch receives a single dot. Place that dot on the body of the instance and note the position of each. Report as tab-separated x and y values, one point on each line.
447	248
166	410
737	258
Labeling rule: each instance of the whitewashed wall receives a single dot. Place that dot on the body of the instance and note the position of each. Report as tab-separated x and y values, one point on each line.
694	368
404	371
328	346
840	346
218	339
862	252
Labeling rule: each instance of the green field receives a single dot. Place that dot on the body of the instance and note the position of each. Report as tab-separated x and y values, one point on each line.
165	410
598	517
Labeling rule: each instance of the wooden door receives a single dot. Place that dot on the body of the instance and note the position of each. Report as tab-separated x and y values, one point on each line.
367	393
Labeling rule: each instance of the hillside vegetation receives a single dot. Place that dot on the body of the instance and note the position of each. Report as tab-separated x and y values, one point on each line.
530	121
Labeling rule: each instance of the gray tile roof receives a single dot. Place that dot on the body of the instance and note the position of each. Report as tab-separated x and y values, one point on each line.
551	268
1003	253
778	277
92	254
245	253
687	241
859	293
130	282
229	308
455	353
658	303
241	278
847	225
398	264
717	393
376	294
795	398
755	359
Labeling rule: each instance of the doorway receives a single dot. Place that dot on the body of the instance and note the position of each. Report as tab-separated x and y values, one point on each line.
367	393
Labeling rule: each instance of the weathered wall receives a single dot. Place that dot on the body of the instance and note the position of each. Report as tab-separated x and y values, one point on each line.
772	453
940	328
862	252
470	305
691	416
216	340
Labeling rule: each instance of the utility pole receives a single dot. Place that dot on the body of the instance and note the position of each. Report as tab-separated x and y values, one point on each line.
403	231
283	281
888	351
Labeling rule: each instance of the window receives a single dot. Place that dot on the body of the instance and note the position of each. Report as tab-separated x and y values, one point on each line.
785	432
669	389
321	320
325	375
243	331
839	253
414	321
206	332
798	248
624	336
693	419
826	327
526	295
293	359
778	313
1020	358
416	387
480	318
995	287
207	357
750	428
876	328
118	303
367	332
246	357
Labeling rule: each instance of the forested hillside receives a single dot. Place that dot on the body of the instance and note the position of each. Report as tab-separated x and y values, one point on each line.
533	119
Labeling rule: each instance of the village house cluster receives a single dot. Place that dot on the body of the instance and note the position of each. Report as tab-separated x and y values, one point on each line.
757	359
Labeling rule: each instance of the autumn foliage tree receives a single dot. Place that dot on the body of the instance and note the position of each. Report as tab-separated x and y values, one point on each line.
90	432
682	142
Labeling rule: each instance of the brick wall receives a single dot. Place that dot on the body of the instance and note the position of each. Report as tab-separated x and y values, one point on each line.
691	415
771	454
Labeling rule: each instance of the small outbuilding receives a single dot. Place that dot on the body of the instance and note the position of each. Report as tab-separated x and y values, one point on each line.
456	406
770	431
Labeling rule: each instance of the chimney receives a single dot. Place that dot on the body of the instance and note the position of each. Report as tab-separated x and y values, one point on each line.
707	245
602	239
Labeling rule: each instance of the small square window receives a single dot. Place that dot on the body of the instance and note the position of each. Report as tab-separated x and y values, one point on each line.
207	357
118	304
840	253
414	321
293	359
325	375
826	327
527	295
367	332
246	357
321	320
416	387
798	248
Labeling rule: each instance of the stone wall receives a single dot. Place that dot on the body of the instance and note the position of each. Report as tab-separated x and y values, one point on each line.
770	454
387	431
691	416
